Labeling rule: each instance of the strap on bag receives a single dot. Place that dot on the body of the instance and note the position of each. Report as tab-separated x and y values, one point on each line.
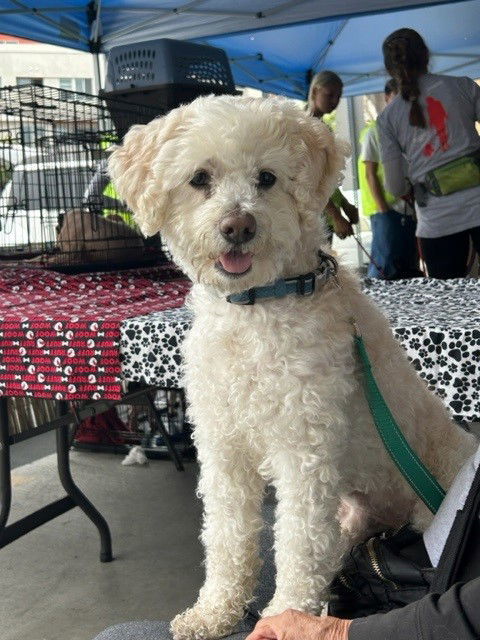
407	461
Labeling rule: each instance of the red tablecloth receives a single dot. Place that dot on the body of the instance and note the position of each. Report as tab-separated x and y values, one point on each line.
59	334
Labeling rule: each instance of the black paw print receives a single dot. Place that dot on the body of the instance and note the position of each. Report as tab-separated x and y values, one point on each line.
459	352
476	355
468	368
442	360
475	337
444	377
461	385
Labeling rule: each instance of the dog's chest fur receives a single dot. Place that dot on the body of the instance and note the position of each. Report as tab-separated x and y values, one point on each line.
239	361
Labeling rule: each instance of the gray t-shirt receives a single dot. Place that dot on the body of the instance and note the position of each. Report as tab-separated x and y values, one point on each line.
451	107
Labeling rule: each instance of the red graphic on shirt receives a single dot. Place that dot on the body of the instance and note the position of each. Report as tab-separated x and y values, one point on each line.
428	149
438	120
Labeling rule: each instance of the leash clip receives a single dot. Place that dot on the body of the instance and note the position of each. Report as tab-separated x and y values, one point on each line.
331	263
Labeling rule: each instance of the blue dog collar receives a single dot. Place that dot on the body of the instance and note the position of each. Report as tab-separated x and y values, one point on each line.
303	285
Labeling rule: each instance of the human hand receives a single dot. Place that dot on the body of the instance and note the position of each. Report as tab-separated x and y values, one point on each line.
296	625
409	198
350	211
342	227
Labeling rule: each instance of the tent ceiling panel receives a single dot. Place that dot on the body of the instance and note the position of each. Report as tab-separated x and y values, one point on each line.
352	46
273	44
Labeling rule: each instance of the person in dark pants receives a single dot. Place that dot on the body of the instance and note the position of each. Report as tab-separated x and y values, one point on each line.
447	256
432	125
394	252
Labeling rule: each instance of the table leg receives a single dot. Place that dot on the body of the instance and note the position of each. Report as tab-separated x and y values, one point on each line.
5	481
155	414
63	462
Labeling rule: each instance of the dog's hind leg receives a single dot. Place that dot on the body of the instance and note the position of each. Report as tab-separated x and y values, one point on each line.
309	544
232	492
361	517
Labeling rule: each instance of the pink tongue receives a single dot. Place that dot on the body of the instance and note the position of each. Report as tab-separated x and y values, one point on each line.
235	262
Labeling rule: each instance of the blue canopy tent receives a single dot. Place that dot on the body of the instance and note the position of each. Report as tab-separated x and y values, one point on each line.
273	45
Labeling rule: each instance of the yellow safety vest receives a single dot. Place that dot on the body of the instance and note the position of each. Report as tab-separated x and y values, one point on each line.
126	216
107	140
369	206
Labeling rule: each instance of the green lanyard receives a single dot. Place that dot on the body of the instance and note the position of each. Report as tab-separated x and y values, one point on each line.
414	471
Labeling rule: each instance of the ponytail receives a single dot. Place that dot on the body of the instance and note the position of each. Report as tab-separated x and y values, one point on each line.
406	58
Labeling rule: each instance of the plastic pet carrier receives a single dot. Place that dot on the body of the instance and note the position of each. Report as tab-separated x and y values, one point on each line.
166	73
57	205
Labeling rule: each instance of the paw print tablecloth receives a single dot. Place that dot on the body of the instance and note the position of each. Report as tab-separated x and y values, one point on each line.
436	321
60	334
438	324
150	347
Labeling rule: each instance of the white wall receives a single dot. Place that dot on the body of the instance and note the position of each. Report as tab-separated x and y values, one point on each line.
43	61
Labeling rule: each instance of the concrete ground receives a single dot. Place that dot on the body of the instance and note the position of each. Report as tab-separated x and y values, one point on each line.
52	584
32	449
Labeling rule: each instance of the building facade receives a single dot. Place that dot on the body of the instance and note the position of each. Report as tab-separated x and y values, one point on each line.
25	61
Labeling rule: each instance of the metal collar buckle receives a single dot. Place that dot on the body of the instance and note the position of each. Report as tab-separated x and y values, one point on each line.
302	281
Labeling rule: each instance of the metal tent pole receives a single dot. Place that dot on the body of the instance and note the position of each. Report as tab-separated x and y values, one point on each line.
95	9
352	126
97	73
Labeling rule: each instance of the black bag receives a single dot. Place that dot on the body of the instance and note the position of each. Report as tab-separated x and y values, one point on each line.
392	570
388	571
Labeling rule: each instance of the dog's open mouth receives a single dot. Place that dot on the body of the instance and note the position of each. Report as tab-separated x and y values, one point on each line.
234	262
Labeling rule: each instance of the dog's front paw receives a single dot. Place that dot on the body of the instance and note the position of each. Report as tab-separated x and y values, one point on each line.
279	605
203	622
275	609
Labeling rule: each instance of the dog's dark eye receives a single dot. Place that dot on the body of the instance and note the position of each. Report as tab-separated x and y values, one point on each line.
200	179
266	179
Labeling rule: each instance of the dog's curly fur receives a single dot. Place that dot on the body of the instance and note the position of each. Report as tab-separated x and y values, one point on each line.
275	389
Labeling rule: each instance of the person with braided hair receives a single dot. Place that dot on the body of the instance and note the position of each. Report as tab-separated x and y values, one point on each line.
431	124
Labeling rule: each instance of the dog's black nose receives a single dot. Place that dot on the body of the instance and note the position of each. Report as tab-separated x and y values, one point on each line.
238	228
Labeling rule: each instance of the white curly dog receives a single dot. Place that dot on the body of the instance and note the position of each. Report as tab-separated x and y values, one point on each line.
236	186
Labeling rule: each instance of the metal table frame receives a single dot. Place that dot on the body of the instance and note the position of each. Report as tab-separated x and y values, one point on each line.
74	497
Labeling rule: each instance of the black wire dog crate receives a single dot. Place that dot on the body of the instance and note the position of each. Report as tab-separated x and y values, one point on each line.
57	206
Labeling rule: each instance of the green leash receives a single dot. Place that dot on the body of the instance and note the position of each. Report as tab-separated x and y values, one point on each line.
413	470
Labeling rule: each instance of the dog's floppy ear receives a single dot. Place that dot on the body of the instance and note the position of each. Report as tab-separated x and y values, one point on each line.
135	170
324	161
